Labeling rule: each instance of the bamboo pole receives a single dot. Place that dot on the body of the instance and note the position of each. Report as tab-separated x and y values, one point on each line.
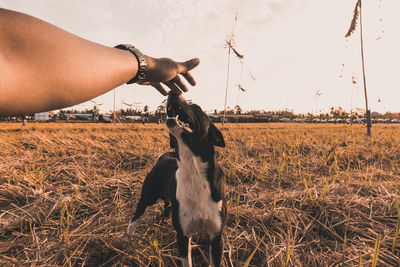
227	84
229	60
367	111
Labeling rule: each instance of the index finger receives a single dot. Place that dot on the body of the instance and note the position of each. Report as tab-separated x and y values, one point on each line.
173	87
159	88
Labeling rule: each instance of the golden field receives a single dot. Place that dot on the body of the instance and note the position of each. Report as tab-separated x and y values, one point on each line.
298	195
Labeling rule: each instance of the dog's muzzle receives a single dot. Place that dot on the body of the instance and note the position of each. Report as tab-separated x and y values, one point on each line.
171	122
174	121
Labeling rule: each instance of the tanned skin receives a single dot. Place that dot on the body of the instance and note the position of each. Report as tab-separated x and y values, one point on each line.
44	67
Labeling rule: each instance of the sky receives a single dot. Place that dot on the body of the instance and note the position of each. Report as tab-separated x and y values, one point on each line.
293	49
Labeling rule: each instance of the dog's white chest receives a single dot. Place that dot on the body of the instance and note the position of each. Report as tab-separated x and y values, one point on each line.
197	211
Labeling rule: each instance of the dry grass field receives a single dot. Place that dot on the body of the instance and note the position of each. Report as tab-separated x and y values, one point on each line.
298	195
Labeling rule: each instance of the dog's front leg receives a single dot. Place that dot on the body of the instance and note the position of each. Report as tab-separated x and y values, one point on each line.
140	210
216	248
185	249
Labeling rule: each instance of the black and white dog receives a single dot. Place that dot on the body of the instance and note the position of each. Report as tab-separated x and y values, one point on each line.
189	179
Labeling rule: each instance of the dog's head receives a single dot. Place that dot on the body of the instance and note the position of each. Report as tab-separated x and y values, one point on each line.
190	125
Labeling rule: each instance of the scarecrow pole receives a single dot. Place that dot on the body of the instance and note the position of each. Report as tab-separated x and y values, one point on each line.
230	43
358	16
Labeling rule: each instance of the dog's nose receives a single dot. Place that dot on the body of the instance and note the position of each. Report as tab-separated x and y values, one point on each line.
174	102
171	122
173	109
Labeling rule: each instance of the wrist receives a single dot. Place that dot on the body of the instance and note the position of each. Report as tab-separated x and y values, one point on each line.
141	73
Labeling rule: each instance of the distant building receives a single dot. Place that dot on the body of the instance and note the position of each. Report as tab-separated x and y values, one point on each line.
105	118
133	118
43	116
77	116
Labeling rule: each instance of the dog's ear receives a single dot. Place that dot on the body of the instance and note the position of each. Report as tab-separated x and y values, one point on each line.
215	136
172	141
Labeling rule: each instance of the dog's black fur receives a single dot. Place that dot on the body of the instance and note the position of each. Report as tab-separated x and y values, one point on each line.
189	179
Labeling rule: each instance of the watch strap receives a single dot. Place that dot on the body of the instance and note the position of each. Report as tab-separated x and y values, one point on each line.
142	63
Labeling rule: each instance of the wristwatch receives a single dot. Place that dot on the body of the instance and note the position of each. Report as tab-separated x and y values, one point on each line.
142	68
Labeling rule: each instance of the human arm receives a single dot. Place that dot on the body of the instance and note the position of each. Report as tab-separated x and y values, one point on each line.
44	67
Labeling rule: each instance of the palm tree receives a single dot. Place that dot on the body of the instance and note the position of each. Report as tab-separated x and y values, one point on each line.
357	16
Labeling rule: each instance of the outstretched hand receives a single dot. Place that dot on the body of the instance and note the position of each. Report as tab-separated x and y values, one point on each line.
167	71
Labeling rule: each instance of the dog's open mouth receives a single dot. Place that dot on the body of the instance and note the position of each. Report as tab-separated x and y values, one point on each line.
175	114
182	124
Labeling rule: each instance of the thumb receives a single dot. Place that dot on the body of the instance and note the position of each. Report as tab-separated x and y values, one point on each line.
189	65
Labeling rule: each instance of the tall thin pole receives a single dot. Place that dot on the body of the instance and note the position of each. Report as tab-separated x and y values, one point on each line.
367	111
231	38
227	84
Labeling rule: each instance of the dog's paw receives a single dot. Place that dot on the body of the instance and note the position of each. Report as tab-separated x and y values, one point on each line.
130	228
166	212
